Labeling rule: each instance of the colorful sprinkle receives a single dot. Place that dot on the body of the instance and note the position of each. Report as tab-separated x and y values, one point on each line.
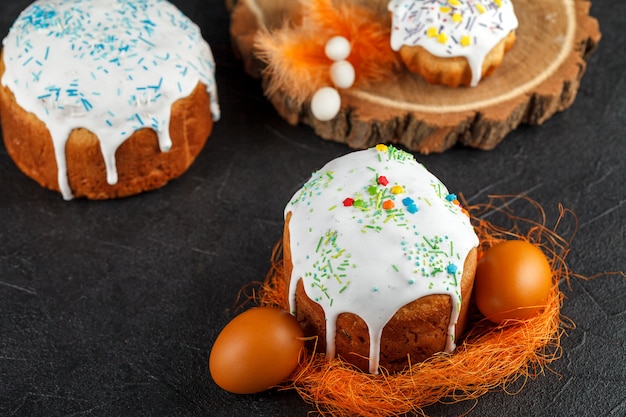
397	189
388	204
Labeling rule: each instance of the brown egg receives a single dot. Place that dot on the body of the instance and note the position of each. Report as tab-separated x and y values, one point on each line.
513	281
258	349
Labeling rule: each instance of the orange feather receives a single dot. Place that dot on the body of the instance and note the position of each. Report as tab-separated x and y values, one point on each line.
296	62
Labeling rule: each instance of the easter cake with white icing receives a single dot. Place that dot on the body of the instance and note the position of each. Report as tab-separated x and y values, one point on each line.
106	98
453	42
379	260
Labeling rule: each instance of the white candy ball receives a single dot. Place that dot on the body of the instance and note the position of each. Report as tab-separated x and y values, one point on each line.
338	48
325	104
342	74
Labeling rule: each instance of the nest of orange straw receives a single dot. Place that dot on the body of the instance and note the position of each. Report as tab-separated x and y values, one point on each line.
490	356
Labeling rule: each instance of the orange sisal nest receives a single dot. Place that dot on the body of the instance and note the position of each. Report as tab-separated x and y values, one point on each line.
489	357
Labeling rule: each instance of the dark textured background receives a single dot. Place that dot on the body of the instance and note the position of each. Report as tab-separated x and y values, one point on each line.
110	308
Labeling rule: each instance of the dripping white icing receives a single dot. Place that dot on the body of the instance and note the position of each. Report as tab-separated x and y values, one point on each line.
356	254
453	28
110	66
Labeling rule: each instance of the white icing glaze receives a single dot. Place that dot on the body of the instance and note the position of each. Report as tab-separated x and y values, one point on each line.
453	28
357	256
110	66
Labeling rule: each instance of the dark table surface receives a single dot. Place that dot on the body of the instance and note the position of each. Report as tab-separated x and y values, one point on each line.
110	308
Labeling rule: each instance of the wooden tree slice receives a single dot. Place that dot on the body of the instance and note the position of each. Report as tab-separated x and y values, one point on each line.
539	77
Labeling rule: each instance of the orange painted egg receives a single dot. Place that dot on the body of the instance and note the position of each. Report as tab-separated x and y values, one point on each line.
258	349
513	281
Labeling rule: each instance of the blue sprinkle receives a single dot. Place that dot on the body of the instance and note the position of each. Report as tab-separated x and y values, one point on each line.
451	197
452	268
410	205
86	104
146	41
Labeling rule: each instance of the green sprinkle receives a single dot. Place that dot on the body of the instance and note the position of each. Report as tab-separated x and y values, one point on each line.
428	242
395	268
332	208
319	244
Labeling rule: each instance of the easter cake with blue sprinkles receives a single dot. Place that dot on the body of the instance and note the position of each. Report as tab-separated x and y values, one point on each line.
103	99
379	260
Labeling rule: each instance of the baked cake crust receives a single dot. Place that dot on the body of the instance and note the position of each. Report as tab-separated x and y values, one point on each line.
104	100
415	332
453	71
141	165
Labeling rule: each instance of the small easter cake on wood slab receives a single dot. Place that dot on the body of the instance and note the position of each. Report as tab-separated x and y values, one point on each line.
541	50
